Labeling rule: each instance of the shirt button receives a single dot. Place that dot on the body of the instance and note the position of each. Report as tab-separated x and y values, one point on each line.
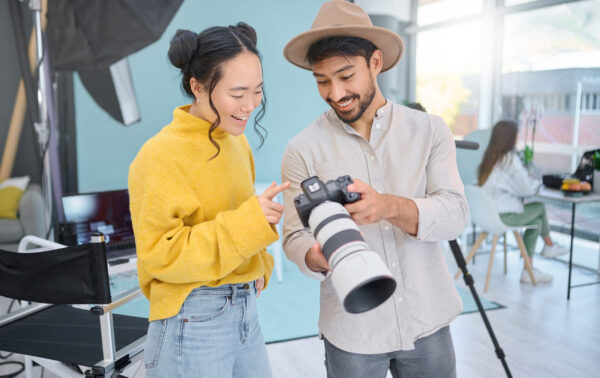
387	228
393	265
377	126
399	298
372	157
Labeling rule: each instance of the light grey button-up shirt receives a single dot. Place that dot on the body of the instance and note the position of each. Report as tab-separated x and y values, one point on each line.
410	154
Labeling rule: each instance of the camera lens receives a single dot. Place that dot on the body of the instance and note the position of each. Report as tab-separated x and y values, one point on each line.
359	276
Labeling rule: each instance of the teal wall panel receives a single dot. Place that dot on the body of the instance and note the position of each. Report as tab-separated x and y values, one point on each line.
105	148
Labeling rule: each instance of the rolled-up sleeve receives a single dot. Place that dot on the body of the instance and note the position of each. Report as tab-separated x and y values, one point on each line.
443	212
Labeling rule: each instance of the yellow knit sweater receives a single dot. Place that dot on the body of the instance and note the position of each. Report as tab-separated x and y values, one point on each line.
197	221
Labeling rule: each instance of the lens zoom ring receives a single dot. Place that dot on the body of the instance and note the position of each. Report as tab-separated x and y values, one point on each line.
339	239
327	220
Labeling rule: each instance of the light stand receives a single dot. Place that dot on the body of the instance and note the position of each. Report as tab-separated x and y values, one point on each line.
460	261
41	127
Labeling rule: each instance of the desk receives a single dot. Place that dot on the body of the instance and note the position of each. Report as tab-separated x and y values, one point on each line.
555	194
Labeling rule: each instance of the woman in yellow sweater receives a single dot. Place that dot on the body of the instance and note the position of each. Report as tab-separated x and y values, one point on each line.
200	231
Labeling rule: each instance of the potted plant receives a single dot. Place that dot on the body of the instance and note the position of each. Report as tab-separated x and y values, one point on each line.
530	117
596	177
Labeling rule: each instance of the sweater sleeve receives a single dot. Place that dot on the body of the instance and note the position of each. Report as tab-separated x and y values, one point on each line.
173	250
268	263
267	259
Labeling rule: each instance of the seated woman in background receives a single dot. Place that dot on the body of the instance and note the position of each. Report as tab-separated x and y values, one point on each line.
503	176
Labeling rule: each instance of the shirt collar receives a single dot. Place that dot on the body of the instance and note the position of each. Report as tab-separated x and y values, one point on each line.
382	117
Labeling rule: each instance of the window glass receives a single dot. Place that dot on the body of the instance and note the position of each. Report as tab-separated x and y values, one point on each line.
508	3
448	64
551	76
550	84
432	11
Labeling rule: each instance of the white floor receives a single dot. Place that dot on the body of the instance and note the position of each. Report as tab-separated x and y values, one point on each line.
541	333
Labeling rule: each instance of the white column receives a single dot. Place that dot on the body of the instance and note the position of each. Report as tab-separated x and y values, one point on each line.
575	141
488	61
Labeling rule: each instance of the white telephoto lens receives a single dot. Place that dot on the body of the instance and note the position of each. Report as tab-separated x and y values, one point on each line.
360	278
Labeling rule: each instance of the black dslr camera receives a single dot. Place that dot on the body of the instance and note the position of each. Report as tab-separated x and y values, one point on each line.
317	192
360	278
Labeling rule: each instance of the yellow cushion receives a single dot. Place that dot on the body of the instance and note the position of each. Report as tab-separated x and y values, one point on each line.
9	201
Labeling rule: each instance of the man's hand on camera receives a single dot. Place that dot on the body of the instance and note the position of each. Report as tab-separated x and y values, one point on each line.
315	259
372	207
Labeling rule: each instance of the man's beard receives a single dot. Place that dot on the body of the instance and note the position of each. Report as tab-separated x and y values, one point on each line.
362	105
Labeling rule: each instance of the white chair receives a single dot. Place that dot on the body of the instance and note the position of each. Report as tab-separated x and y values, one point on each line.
484	214
468	162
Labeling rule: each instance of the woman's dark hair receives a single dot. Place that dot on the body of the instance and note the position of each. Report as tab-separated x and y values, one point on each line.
340	46
502	141
201	56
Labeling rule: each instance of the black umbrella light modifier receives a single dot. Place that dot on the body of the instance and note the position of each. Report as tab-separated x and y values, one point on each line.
94	37
94	34
360	278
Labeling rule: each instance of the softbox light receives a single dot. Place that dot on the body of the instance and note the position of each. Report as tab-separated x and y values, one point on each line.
93	37
113	91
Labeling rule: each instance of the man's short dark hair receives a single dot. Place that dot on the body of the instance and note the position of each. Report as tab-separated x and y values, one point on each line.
417	106
340	46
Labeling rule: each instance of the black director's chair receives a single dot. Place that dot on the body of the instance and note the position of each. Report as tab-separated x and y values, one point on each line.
103	343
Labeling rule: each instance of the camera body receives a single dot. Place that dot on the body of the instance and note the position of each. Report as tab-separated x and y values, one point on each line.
317	192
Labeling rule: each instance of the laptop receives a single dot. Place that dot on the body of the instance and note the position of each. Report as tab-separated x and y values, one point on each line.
584	171
106	212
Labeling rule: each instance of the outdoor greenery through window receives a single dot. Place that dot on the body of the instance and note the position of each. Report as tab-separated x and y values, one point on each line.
448	66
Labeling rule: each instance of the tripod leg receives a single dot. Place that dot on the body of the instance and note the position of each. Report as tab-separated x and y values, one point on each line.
490	264
460	261
476	246
525	256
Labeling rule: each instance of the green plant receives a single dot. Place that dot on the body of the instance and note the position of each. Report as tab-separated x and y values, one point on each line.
527	156
596	159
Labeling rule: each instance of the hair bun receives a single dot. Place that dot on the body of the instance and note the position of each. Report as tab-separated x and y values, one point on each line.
247	31
183	47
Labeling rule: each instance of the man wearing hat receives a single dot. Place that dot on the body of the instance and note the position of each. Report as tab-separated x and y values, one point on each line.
404	166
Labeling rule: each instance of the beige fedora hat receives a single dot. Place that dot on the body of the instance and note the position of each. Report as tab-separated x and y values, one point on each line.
341	18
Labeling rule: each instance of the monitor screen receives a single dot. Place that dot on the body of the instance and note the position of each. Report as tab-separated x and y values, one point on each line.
106	212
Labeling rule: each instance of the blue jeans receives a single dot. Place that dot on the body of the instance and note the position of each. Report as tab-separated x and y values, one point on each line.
215	334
